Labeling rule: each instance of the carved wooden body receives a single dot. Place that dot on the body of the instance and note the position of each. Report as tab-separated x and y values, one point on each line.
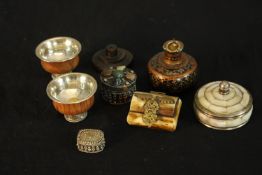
154	110
60	67
74	109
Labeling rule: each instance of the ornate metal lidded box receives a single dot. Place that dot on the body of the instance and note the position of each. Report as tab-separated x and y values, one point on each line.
172	70
223	105
118	84
90	140
154	110
111	56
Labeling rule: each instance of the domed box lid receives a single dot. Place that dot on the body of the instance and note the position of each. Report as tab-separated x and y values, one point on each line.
118	77
223	100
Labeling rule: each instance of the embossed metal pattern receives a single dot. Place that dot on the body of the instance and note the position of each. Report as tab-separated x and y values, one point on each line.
90	140
114	96
151	107
153	101
154	110
173	86
118	86
172	71
187	64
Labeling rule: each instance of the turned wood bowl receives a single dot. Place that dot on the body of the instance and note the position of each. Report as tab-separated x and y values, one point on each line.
58	55
72	95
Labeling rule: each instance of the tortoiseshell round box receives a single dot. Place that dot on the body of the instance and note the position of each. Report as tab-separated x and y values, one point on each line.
118	84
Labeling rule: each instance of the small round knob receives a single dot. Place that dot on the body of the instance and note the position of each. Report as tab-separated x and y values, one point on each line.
173	46
111	50
118	74
224	87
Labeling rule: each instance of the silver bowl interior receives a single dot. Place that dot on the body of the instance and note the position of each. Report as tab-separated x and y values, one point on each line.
71	88
58	49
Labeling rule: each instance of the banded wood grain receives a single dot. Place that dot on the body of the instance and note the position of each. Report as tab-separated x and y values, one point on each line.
74	109
60	67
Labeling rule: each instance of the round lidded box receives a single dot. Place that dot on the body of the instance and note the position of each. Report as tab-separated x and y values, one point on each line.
118	84
223	105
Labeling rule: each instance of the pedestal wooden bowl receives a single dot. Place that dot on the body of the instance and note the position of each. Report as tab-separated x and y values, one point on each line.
58	55
72	95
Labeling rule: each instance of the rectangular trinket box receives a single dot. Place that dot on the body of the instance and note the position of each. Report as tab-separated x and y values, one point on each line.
154	110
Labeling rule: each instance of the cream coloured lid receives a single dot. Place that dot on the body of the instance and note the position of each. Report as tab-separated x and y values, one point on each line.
223	99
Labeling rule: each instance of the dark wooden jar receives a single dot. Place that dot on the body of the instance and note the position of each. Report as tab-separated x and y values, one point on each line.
111	56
